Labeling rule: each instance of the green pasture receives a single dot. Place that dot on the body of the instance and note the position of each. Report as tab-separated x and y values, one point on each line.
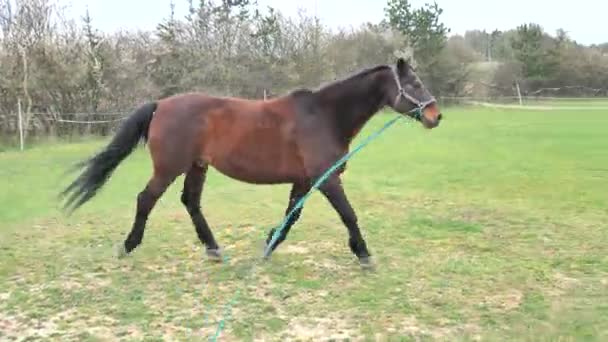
493	226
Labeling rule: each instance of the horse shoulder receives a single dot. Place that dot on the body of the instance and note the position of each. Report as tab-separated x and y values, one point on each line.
318	144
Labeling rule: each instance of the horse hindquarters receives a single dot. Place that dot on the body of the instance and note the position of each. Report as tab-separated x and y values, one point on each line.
170	149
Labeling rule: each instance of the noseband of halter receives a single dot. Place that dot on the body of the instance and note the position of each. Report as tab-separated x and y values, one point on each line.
420	106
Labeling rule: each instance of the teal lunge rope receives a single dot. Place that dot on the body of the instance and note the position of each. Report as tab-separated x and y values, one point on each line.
300	203
323	178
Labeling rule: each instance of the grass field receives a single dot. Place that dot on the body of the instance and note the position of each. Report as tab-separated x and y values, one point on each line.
492	227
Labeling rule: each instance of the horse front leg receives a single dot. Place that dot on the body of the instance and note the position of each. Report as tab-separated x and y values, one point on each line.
333	190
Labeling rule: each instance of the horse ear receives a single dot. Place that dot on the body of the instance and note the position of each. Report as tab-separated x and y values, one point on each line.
402	65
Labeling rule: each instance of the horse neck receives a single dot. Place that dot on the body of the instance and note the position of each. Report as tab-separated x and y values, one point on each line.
355	101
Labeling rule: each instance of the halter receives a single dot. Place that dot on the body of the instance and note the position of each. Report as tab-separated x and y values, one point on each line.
420	106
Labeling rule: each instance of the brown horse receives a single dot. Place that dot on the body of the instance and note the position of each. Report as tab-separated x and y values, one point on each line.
291	139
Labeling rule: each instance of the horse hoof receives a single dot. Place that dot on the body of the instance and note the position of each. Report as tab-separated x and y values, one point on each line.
120	251
367	263
214	254
266	257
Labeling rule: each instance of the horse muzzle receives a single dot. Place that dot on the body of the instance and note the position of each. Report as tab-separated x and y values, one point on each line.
431	116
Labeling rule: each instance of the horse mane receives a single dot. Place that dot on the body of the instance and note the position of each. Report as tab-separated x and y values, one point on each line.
353	77
331	85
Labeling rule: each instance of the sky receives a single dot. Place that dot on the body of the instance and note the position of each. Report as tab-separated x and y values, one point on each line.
584	20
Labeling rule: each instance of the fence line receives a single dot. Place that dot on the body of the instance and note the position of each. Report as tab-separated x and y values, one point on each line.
529	97
534	107
24	125
81	114
17	126
91	122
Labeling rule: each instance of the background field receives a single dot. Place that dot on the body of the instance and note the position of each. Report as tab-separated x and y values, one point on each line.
492	226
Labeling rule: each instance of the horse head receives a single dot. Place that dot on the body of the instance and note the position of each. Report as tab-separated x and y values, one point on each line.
409	96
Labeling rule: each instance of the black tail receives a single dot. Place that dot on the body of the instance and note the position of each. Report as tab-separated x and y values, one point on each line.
100	167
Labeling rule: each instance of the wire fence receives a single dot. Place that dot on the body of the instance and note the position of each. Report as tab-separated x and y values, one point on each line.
530	102
21	129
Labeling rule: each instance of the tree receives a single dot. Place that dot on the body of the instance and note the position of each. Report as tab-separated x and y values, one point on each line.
167	70
94	80
426	34
527	45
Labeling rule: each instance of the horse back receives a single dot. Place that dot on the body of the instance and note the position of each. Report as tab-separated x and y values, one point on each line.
252	140
283	140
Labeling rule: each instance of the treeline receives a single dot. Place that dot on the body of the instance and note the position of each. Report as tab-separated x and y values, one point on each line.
58	67
540	63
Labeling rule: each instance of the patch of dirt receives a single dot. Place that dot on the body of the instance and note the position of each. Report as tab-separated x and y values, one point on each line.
37	288
172	332
20	327
103	333
564	282
163	269
325	264
263	287
341	328
410	326
90	282
16	327
70	285
65	323
334	328
159	303
295	249
475	215
509	300
470	330
130	331
302	296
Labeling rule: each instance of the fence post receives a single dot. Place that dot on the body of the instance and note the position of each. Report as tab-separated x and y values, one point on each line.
521	103
20	114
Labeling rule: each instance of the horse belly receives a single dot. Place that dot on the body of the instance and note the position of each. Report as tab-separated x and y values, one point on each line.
260	156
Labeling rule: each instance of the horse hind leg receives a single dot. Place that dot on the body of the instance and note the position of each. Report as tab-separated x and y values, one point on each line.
191	198
146	200
296	193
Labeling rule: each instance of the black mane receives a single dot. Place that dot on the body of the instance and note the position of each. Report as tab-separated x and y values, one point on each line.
354	77
328	86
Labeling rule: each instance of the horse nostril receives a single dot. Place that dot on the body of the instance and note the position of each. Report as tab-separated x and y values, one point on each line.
439	117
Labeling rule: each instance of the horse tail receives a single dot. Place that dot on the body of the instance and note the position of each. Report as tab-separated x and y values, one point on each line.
100	166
